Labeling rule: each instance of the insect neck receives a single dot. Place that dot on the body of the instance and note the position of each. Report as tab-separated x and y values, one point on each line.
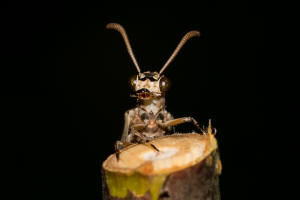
153	105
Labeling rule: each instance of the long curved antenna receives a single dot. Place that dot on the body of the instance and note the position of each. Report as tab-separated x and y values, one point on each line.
121	30
185	38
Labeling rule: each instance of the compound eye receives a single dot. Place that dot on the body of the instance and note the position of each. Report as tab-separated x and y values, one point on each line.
164	84
132	81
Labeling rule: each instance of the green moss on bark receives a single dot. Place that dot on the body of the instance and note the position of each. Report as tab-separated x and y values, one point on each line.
119	184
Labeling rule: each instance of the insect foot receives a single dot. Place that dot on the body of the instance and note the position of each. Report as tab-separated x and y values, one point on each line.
196	124
118	146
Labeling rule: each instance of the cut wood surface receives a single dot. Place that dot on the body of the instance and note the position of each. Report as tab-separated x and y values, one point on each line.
187	166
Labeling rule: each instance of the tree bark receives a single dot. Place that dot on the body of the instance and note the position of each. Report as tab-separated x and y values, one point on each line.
187	167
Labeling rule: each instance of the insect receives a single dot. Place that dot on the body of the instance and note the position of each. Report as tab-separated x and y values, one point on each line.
149	119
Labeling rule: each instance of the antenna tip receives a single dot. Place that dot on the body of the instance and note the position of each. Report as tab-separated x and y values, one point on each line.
194	33
112	25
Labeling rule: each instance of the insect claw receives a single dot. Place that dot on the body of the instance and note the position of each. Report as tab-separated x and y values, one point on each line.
118	156
154	147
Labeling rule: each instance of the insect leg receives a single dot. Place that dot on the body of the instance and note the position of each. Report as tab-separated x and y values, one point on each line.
126	126
139	127
145	141
124	139
154	147
120	145
178	121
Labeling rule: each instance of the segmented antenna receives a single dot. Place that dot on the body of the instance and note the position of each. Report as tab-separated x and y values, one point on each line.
185	38
121	30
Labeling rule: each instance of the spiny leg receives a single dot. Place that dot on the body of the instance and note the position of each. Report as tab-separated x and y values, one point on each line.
181	120
191	119
152	145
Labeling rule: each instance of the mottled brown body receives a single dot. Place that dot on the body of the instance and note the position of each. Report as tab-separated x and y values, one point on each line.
146	121
150	118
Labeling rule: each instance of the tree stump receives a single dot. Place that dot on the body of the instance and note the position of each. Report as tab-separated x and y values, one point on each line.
186	167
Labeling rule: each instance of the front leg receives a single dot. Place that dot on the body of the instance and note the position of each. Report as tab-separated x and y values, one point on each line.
178	121
138	126
125	139
126	126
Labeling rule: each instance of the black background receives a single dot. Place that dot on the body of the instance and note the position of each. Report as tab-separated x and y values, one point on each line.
65	89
